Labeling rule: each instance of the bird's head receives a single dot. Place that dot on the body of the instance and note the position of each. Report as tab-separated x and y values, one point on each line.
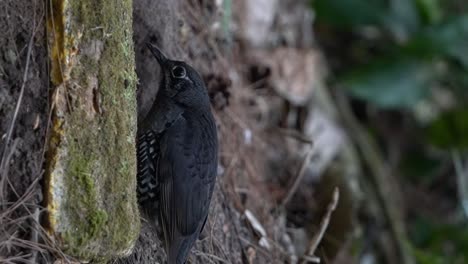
180	82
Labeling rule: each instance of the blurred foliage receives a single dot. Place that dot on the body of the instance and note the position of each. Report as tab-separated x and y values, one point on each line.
418	166
450	130
421	38
439	243
399	16
398	82
428	48
397	55
430	11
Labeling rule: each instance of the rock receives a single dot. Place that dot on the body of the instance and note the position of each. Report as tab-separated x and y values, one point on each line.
91	199
294	73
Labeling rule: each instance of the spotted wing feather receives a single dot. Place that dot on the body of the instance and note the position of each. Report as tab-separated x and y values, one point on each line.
148	154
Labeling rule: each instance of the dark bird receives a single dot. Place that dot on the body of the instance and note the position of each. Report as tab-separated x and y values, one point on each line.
177	156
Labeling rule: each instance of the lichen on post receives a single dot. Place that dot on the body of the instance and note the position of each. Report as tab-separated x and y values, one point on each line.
90	177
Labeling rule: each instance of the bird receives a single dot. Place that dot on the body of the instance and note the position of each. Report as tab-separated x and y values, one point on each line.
177	156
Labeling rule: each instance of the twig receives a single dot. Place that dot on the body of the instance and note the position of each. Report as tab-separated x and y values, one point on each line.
34	234
21	200
5	171
296	135
385	188
210	257
323	227
259	249
220	247
312	259
461	172
231	217
299	177
15	114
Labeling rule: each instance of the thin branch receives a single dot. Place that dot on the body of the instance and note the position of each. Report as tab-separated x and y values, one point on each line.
323	227
296	135
385	187
231	217
34	235
209	257
299	177
15	115
461	172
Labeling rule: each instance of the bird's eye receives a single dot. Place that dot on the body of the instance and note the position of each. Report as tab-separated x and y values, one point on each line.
179	72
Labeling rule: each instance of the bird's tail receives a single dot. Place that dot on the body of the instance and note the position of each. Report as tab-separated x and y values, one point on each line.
180	248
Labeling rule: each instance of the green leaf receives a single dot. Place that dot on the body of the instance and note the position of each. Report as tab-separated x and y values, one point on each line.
418	166
448	39
403	19
431	240
424	257
400	17
349	13
430	10
450	130
391	84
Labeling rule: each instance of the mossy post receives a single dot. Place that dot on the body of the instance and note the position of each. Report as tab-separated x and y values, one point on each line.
91	165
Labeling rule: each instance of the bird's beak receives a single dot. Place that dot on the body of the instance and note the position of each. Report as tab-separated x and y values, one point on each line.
158	54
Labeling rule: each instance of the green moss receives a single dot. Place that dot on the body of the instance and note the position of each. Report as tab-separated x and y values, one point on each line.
100	165
85	211
97	220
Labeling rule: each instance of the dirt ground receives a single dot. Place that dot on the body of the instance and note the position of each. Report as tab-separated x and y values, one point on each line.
24	108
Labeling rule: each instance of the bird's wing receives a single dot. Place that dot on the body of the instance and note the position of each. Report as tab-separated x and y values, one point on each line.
148	154
162	115
187	172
